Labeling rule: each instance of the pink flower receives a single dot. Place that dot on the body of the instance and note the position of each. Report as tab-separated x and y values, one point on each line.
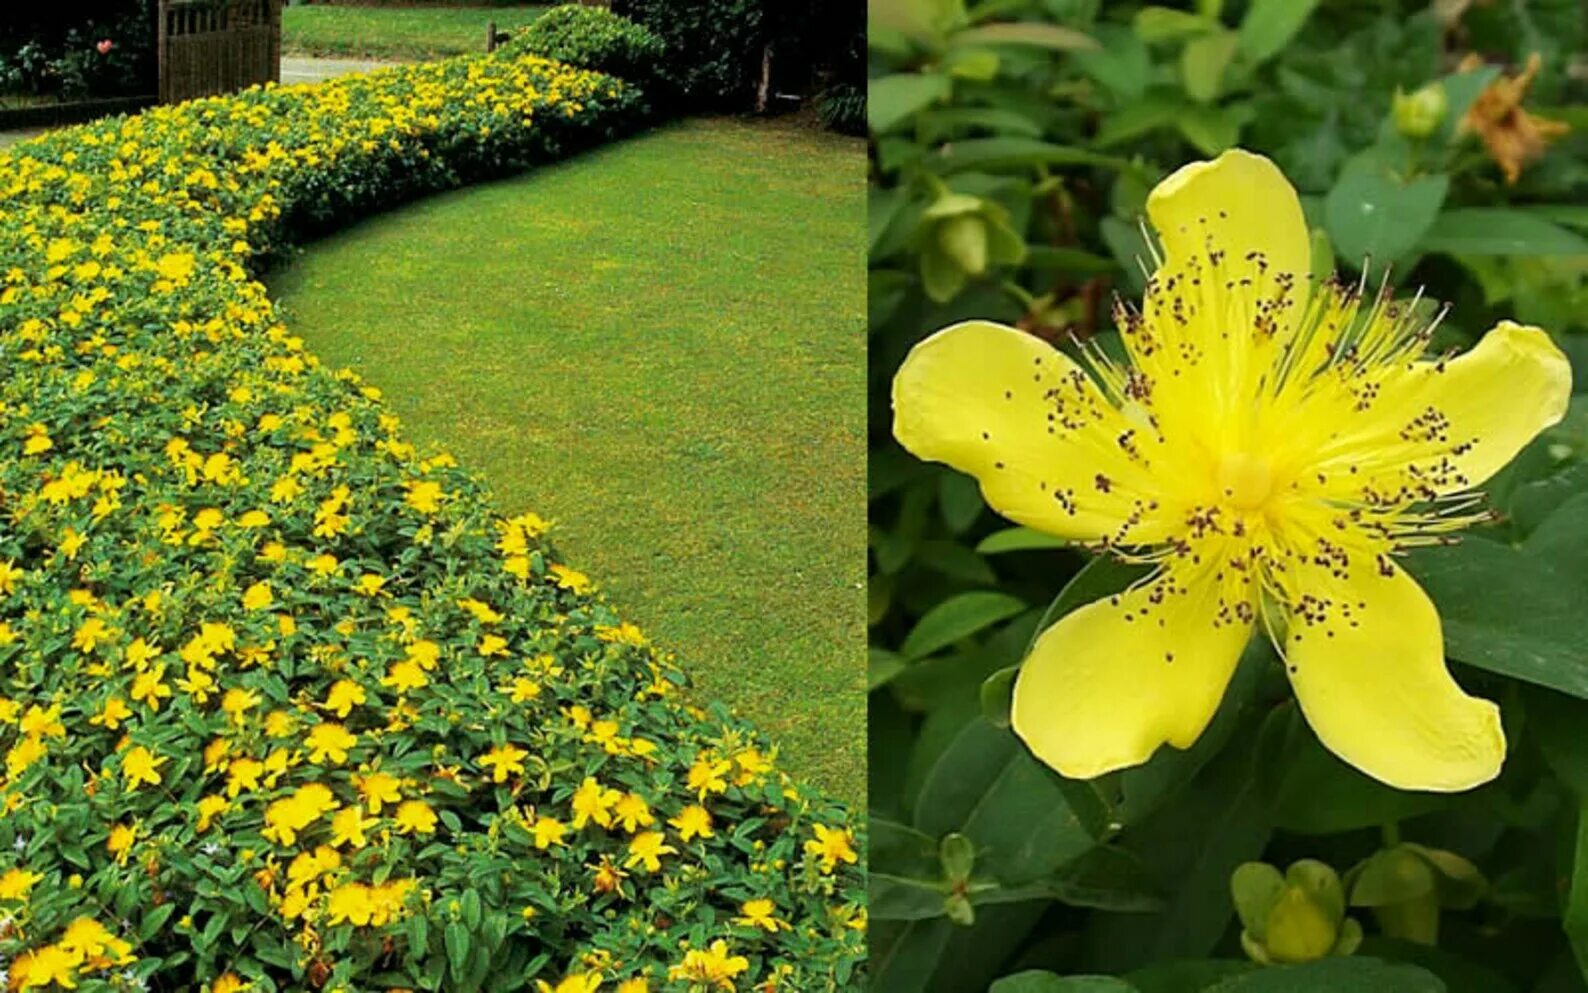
105	46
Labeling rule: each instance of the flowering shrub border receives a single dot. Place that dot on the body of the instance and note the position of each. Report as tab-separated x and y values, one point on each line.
284	704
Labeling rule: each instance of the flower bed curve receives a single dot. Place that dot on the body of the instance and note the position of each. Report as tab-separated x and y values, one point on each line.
285	704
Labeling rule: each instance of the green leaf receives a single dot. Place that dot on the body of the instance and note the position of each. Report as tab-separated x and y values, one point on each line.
1508	612
1025	820
1202	64
1562	538
1192	845
1154	25
1575	919
957	618
1313	792
1270	24
898	898
1071	260
1036	34
881	666
1358	975
959	498
1371	214
1187	975
997	696
995	154
1037	981
891	100
1210	129
905	954
1018	539
1498	231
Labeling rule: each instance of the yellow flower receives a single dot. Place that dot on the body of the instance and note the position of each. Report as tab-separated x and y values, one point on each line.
119	844
228	982
1268	445
40	967
549	831
141	766
633	812
343	696
415	817
243	775
579	982
258	597
348	826
350	904
176	266
638	984
694	821
503	761
210	807
285	817
647	849
593	802
709	775
712	966
111	713
90	633
758	913
378	789
330	740
572	579
423	495
86	938
16	883
832	846
148	687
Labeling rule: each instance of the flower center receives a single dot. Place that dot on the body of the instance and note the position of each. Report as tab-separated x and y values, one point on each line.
1245	480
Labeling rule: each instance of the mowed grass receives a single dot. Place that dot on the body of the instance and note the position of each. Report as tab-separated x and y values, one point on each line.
395	32
658	345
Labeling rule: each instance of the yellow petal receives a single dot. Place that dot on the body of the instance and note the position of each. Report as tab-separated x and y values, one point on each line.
1048	448
1110	682
1237	204
1229	294
1369	673
1444	426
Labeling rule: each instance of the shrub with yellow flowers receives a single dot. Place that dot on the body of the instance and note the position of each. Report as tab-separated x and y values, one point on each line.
286	705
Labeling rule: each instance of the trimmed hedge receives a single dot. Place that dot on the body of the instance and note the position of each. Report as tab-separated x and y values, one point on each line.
282	700
595	38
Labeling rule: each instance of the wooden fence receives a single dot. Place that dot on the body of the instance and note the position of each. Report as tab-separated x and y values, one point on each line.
217	46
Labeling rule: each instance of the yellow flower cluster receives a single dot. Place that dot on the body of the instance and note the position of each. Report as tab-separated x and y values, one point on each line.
284	701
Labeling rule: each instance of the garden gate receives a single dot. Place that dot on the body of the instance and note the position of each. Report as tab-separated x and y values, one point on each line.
217	46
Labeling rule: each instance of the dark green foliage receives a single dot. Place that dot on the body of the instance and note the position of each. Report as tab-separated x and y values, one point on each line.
54	49
595	38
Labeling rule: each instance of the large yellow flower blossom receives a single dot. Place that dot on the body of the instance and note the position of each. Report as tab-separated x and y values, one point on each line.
1269	445
714	966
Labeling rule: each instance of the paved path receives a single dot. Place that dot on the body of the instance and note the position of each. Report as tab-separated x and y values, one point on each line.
294	69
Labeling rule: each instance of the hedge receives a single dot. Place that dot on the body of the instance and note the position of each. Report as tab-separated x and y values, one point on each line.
284	703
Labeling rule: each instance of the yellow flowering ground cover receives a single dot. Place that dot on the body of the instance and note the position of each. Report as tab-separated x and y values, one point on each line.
283	705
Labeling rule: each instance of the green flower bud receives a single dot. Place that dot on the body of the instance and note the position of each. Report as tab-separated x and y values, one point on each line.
1295	917
961	237
1298	929
958	909
964	239
958	856
1419	114
1407	885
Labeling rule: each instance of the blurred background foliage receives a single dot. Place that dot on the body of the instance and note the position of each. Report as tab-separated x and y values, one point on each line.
1440	146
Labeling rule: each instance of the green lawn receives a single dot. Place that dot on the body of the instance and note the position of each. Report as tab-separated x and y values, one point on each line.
395	32
659	345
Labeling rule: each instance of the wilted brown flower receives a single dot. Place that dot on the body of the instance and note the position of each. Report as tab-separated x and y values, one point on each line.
1512	135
